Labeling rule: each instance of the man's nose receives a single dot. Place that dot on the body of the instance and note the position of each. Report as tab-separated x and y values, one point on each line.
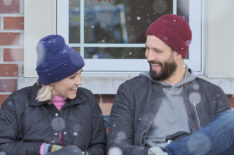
150	56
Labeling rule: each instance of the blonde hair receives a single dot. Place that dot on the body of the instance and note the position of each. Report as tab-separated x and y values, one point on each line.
44	93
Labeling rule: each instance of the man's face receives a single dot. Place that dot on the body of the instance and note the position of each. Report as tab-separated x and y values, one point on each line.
161	58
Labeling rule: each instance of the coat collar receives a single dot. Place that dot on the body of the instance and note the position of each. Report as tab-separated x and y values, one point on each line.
80	97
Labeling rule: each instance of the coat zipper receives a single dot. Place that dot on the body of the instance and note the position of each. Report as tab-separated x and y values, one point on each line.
199	123
195	108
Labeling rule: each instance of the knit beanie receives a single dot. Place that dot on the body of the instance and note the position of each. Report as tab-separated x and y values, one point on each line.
174	31
55	60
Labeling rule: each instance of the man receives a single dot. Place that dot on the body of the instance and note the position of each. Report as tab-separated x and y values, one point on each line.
168	110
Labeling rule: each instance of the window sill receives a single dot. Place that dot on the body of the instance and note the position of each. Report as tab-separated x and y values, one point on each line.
97	82
108	83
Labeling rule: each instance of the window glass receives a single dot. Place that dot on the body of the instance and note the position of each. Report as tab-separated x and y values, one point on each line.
115	29
74	21
121	21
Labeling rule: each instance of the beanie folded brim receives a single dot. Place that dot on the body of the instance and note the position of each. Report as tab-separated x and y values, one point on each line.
67	68
174	31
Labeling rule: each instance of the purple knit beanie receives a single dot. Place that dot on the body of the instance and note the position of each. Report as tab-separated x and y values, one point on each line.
55	60
174	31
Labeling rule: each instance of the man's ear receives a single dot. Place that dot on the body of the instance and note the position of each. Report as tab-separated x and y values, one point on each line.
177	55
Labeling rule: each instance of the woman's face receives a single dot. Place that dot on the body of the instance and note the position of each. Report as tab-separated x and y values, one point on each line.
68	87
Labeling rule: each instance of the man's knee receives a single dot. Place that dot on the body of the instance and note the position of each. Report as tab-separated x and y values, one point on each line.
228	114
227	118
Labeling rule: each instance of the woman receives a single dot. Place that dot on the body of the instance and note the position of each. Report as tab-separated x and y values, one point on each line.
54	114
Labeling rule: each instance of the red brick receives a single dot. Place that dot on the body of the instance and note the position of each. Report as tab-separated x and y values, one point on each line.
3	98
16	54
14	23
231	100
9	70
8	38
107	130
9	6
106	108
8	85
108	98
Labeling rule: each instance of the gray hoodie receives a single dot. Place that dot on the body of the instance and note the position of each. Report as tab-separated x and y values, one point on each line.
172	115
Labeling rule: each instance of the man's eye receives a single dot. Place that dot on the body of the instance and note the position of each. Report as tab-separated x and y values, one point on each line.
157	51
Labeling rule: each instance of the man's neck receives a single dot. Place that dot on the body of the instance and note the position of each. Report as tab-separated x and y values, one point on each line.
177	76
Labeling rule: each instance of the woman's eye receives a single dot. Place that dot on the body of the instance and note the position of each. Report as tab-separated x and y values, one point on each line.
72	77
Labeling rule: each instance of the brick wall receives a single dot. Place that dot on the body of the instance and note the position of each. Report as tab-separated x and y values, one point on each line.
11	46
105	103
11	52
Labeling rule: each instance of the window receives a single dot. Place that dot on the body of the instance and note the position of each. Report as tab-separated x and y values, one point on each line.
110	35
41	18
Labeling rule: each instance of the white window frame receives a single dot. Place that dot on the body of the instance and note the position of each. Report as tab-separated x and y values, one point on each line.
130	65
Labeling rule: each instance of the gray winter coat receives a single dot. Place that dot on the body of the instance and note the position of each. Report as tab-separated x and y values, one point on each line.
137	102
26	123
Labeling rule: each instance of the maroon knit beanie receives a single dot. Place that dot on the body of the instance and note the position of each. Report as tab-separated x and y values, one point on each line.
173	30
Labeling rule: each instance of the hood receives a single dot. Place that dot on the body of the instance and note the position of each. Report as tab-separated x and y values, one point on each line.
189	76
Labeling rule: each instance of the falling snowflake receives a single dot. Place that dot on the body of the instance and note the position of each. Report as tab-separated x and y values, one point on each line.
187	42
120	137
160	6
2	153
195	98
201	141
58	124
75	133
7	2
138	18
196	86
165	38
115	151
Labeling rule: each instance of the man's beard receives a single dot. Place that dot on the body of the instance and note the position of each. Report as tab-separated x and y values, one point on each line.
167	69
